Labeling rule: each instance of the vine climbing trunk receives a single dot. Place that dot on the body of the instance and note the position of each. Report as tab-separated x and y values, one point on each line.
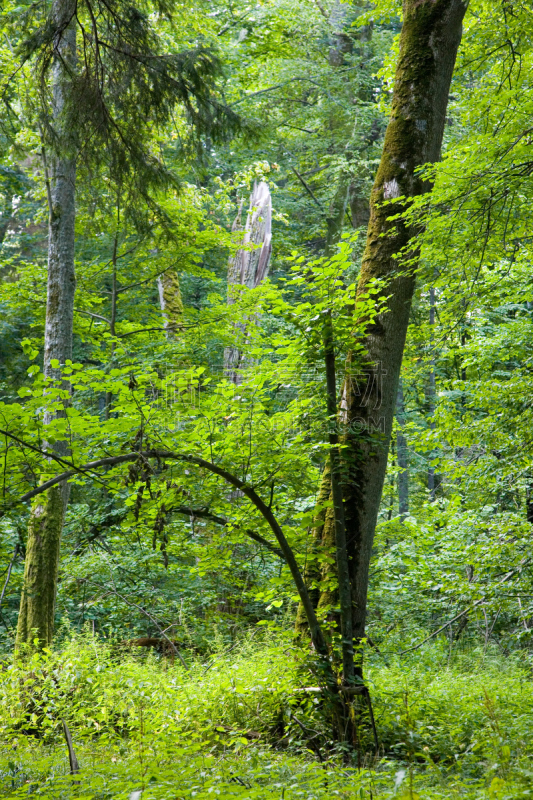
37	606
429	40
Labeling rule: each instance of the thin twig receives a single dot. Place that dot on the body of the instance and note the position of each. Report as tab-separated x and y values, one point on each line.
205	514
372	720
307	188
15	554
310	740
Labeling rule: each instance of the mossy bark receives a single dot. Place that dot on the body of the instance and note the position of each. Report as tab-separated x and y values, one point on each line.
37	606
317	553
320	572
429	41
36	615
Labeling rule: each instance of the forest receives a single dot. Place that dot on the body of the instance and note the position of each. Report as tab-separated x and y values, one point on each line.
266	367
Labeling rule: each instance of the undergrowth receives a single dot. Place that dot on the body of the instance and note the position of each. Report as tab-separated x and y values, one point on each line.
236	726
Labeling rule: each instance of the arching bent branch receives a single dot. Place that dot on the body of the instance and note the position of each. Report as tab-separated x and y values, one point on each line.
317	635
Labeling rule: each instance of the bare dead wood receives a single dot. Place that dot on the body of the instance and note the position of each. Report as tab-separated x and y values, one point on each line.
149	641
249	266
15	554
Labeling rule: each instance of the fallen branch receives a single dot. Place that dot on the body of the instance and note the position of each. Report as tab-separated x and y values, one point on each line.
74	766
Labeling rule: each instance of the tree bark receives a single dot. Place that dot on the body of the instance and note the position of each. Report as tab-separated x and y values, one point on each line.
37	605
320	569
430	37
170	301
339	522
249	267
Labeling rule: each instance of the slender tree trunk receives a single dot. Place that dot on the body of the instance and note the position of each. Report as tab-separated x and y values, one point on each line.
338	506
320	570
314	567
432	390
529	502
37	606
429	40
402	455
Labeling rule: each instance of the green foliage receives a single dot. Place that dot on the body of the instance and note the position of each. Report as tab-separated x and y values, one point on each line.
447	729
158	544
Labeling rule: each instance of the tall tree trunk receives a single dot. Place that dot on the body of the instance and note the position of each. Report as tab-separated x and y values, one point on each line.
339	522
402	455
37	606
324	570
249	267
429	40
317	570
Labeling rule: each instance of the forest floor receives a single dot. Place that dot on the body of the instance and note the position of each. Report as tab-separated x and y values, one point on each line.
234	726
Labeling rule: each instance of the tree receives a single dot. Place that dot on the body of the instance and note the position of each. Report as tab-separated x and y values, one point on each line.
430	37
37	605
105	110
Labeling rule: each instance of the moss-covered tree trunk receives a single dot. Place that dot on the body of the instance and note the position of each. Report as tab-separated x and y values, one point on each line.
430	37
36	615
321	567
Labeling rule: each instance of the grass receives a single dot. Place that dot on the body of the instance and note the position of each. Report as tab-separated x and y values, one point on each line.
232	726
